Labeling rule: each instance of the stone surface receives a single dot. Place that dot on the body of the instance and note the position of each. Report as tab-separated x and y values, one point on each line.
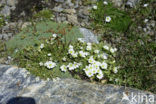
70	11
17	85
132	3
73	19
88	35
118	3
6	11
59	1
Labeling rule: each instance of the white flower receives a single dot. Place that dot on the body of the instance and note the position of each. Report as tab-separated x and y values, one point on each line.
49	54
41	46
106	47
81	40
91	67
89	73
76	65
74	54
115	70
64	59
145	5
89	47
100	75
96	64
70	47
89	44
86	68
91	60
105	3
113	50
71	51
108	19
81	47
50	64
96	51
146	20
104	56
82	54
94	7
104	65
86	53
71	66
41	63
116	80
94	70
63	68
54	35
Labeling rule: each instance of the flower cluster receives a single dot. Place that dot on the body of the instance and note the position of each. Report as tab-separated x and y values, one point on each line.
50	64
93	60
96	61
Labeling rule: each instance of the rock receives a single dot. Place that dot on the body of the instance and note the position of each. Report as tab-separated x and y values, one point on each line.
118	3
1	37
88	35
5	11
25	24
86	11
58	9
72	19
5	37
132	3
70	11
11	2
61	1
18	85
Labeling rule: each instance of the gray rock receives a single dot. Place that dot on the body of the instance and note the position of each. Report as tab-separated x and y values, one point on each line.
11	2
70	11
5	36
72	19
5	11
58	9
88	35
16	82
132	3
61	1
118	3
10	35
1	37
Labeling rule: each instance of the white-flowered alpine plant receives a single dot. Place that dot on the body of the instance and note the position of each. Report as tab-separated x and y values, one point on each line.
95	61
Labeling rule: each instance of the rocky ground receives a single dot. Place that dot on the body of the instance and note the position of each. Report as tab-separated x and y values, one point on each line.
76	13
17	86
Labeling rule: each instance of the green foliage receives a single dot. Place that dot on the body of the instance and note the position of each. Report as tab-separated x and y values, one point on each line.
44	14
137	58
33	35
120	20
35	59
136	53
2	21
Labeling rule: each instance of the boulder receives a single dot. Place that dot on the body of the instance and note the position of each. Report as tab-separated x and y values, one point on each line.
18	86
88	35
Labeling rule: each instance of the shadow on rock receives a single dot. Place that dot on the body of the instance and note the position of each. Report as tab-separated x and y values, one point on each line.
21	100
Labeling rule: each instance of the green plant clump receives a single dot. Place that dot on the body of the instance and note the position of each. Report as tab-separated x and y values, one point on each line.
56	57
35	34
119	20
44	14
2	22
